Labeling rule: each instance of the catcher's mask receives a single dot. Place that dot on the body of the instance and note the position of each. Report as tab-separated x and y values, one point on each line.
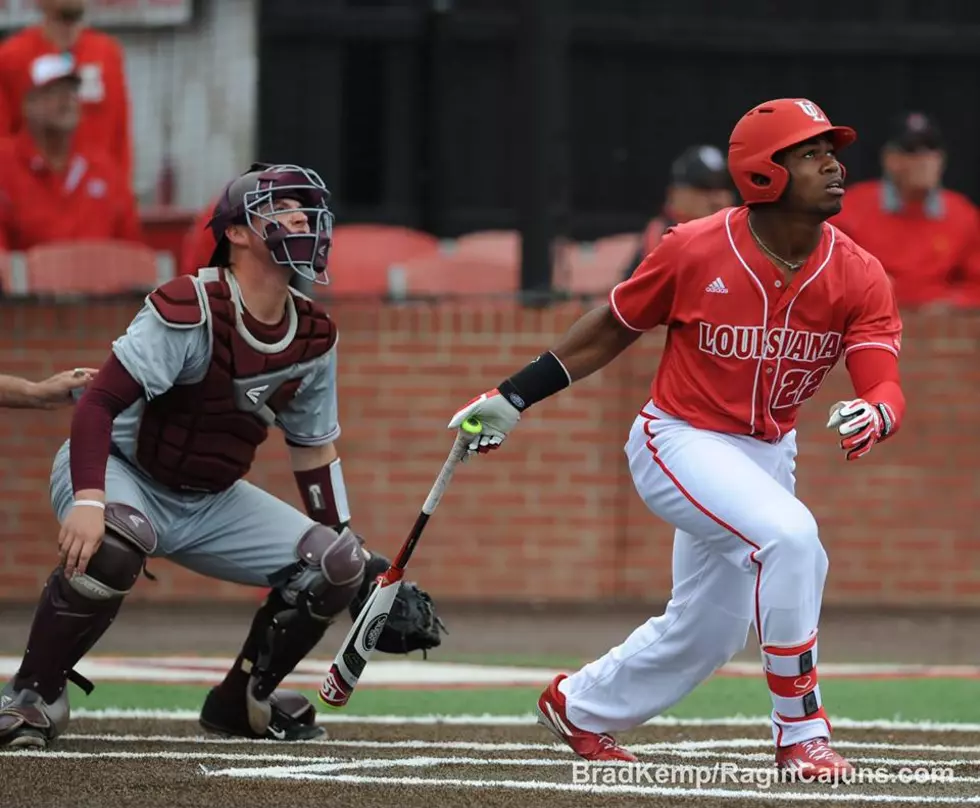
250	200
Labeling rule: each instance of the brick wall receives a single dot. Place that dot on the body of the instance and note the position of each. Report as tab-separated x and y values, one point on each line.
553	515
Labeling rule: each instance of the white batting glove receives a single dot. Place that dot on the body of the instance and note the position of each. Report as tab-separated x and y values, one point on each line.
860	424
497	415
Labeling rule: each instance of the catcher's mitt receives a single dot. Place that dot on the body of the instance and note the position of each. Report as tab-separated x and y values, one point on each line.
412	625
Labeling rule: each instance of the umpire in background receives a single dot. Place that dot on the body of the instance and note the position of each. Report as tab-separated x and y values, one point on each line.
699	186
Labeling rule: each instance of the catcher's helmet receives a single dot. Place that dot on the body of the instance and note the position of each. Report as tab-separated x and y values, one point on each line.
250	197
767	129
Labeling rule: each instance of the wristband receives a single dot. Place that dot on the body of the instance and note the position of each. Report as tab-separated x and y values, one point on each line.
94	503
324	494
543	377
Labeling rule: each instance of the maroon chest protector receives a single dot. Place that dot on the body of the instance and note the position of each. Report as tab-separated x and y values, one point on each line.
203	436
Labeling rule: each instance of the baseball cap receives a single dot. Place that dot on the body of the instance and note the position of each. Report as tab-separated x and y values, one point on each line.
702	166
915	131
53	67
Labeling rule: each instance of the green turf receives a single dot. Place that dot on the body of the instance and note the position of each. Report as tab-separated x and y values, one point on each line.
893	699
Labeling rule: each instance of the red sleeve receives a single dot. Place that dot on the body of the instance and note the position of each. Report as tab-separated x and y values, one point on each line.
6	219
875	378
645	299
874	321
121	146
112	391
9	103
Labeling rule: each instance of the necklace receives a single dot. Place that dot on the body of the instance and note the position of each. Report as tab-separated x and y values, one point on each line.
790	265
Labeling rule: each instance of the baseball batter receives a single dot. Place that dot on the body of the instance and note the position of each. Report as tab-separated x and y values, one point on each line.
759	301
159	446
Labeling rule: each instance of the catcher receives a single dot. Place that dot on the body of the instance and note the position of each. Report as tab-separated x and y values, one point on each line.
154	467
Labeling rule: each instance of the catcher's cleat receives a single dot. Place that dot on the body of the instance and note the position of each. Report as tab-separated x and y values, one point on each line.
813	760
291	717
26	721
588	745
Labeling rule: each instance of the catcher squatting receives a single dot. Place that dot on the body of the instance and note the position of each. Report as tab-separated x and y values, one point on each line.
159	444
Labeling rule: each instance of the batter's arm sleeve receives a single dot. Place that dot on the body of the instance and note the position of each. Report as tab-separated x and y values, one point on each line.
158	355
875	378
311	417
645	299
874	322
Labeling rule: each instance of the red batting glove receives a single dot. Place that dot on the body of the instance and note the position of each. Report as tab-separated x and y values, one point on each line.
861	425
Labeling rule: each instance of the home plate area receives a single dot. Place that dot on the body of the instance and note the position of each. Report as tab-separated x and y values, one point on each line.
163	759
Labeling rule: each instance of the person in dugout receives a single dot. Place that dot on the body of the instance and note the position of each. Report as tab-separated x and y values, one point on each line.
105	123
699	186
926	236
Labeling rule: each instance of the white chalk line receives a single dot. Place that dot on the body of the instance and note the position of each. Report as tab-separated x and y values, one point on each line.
696	750
199	755
416	762
805	797
514	746
528	719
328	768
302	764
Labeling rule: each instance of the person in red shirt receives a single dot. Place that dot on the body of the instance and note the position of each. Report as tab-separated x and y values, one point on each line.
105	120
699	186
759	302
926	236
52	190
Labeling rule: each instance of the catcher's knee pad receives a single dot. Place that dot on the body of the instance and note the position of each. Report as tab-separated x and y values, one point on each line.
75	612
116	565
329	571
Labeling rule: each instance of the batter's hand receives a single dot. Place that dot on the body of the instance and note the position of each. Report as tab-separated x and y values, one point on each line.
57	390
497	415
80	536
860	424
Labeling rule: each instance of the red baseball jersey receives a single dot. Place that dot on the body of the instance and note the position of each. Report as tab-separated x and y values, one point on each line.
743	349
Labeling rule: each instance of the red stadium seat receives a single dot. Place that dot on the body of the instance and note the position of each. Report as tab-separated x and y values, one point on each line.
453	275
593	268
361	254
93	268
498	247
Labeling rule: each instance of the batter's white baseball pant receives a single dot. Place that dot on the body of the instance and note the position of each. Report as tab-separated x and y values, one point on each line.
746	552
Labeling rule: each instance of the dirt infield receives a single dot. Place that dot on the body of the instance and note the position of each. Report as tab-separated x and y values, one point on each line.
111	763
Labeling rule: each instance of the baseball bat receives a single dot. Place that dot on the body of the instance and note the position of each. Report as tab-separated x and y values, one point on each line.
350	661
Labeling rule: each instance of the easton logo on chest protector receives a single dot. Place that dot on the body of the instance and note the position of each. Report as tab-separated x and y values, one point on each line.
254	393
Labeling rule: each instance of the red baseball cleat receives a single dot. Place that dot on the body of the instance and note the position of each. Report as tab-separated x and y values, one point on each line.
588	745
813	759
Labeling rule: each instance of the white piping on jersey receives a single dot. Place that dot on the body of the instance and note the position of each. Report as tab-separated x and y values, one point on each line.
79	165
860	345
261	347
615	309
789	309
765	314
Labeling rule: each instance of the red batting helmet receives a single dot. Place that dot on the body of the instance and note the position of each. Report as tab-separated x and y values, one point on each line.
767	129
